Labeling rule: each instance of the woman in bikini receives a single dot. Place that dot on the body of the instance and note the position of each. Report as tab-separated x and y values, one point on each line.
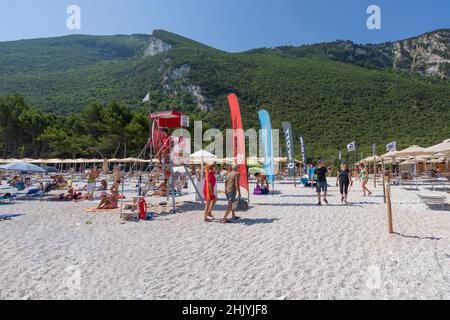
364	177
108	201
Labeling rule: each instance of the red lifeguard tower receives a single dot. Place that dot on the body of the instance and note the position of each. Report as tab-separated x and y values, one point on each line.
160	142
165	120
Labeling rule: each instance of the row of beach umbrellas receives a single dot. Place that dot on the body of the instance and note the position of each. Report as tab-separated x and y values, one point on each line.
73	161
414	155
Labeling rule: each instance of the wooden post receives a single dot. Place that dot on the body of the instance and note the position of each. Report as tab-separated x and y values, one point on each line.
389	208
375	171
383	173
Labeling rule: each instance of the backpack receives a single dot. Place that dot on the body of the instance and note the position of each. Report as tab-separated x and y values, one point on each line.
241	205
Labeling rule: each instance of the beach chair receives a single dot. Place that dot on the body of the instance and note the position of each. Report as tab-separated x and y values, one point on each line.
7	198
435	201
33	193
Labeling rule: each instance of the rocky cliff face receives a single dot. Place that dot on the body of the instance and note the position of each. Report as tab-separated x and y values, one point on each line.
156	46
428	54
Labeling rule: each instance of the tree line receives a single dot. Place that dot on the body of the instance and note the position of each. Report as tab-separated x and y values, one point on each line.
100	130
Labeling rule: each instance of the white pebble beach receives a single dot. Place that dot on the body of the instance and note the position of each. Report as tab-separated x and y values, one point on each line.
285	247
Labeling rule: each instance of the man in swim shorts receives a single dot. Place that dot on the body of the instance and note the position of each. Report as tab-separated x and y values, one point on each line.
92	176
232	189
321	182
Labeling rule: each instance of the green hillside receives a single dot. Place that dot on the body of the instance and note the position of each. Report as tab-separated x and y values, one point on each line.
331	102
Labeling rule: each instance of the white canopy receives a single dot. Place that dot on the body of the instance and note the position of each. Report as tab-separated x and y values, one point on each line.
443	147
413	151
203	156
390	155
371	158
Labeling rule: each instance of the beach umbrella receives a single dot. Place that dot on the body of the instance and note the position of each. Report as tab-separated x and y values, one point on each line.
22	166
440	160
50	169
227	160
114	160
413	151
253	162
53	161
203	157
36	161
443	147
255	170
11	160
391	155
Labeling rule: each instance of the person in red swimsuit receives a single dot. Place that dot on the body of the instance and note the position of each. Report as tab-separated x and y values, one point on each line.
209	191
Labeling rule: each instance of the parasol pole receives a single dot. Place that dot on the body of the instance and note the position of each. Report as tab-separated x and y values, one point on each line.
383	177
389	207
375	171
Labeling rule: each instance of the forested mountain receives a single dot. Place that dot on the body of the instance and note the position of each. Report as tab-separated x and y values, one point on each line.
82	94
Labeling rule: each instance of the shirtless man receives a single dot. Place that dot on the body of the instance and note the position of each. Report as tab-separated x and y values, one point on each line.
117	175
92	176
232	189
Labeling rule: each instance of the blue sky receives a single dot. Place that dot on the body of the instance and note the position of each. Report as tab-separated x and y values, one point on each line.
232	25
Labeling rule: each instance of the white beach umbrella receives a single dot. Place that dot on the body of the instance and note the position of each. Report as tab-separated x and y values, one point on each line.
443	147
390	155
202	157
37	161
413	151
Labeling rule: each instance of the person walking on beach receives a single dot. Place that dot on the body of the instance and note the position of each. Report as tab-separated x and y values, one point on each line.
364	177
209	191
344	180
92	176
321	183
232	189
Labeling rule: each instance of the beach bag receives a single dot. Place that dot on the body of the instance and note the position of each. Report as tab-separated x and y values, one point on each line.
257	191
241	205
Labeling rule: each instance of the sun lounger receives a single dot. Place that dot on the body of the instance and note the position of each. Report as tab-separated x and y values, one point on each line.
435	201
4	217
8	198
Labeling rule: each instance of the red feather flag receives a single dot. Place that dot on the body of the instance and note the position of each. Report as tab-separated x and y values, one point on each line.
238	140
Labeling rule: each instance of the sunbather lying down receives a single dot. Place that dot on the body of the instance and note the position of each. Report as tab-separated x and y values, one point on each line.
70	196
107	202
162	191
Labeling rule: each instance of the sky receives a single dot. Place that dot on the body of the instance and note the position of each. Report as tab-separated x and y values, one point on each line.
230	25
